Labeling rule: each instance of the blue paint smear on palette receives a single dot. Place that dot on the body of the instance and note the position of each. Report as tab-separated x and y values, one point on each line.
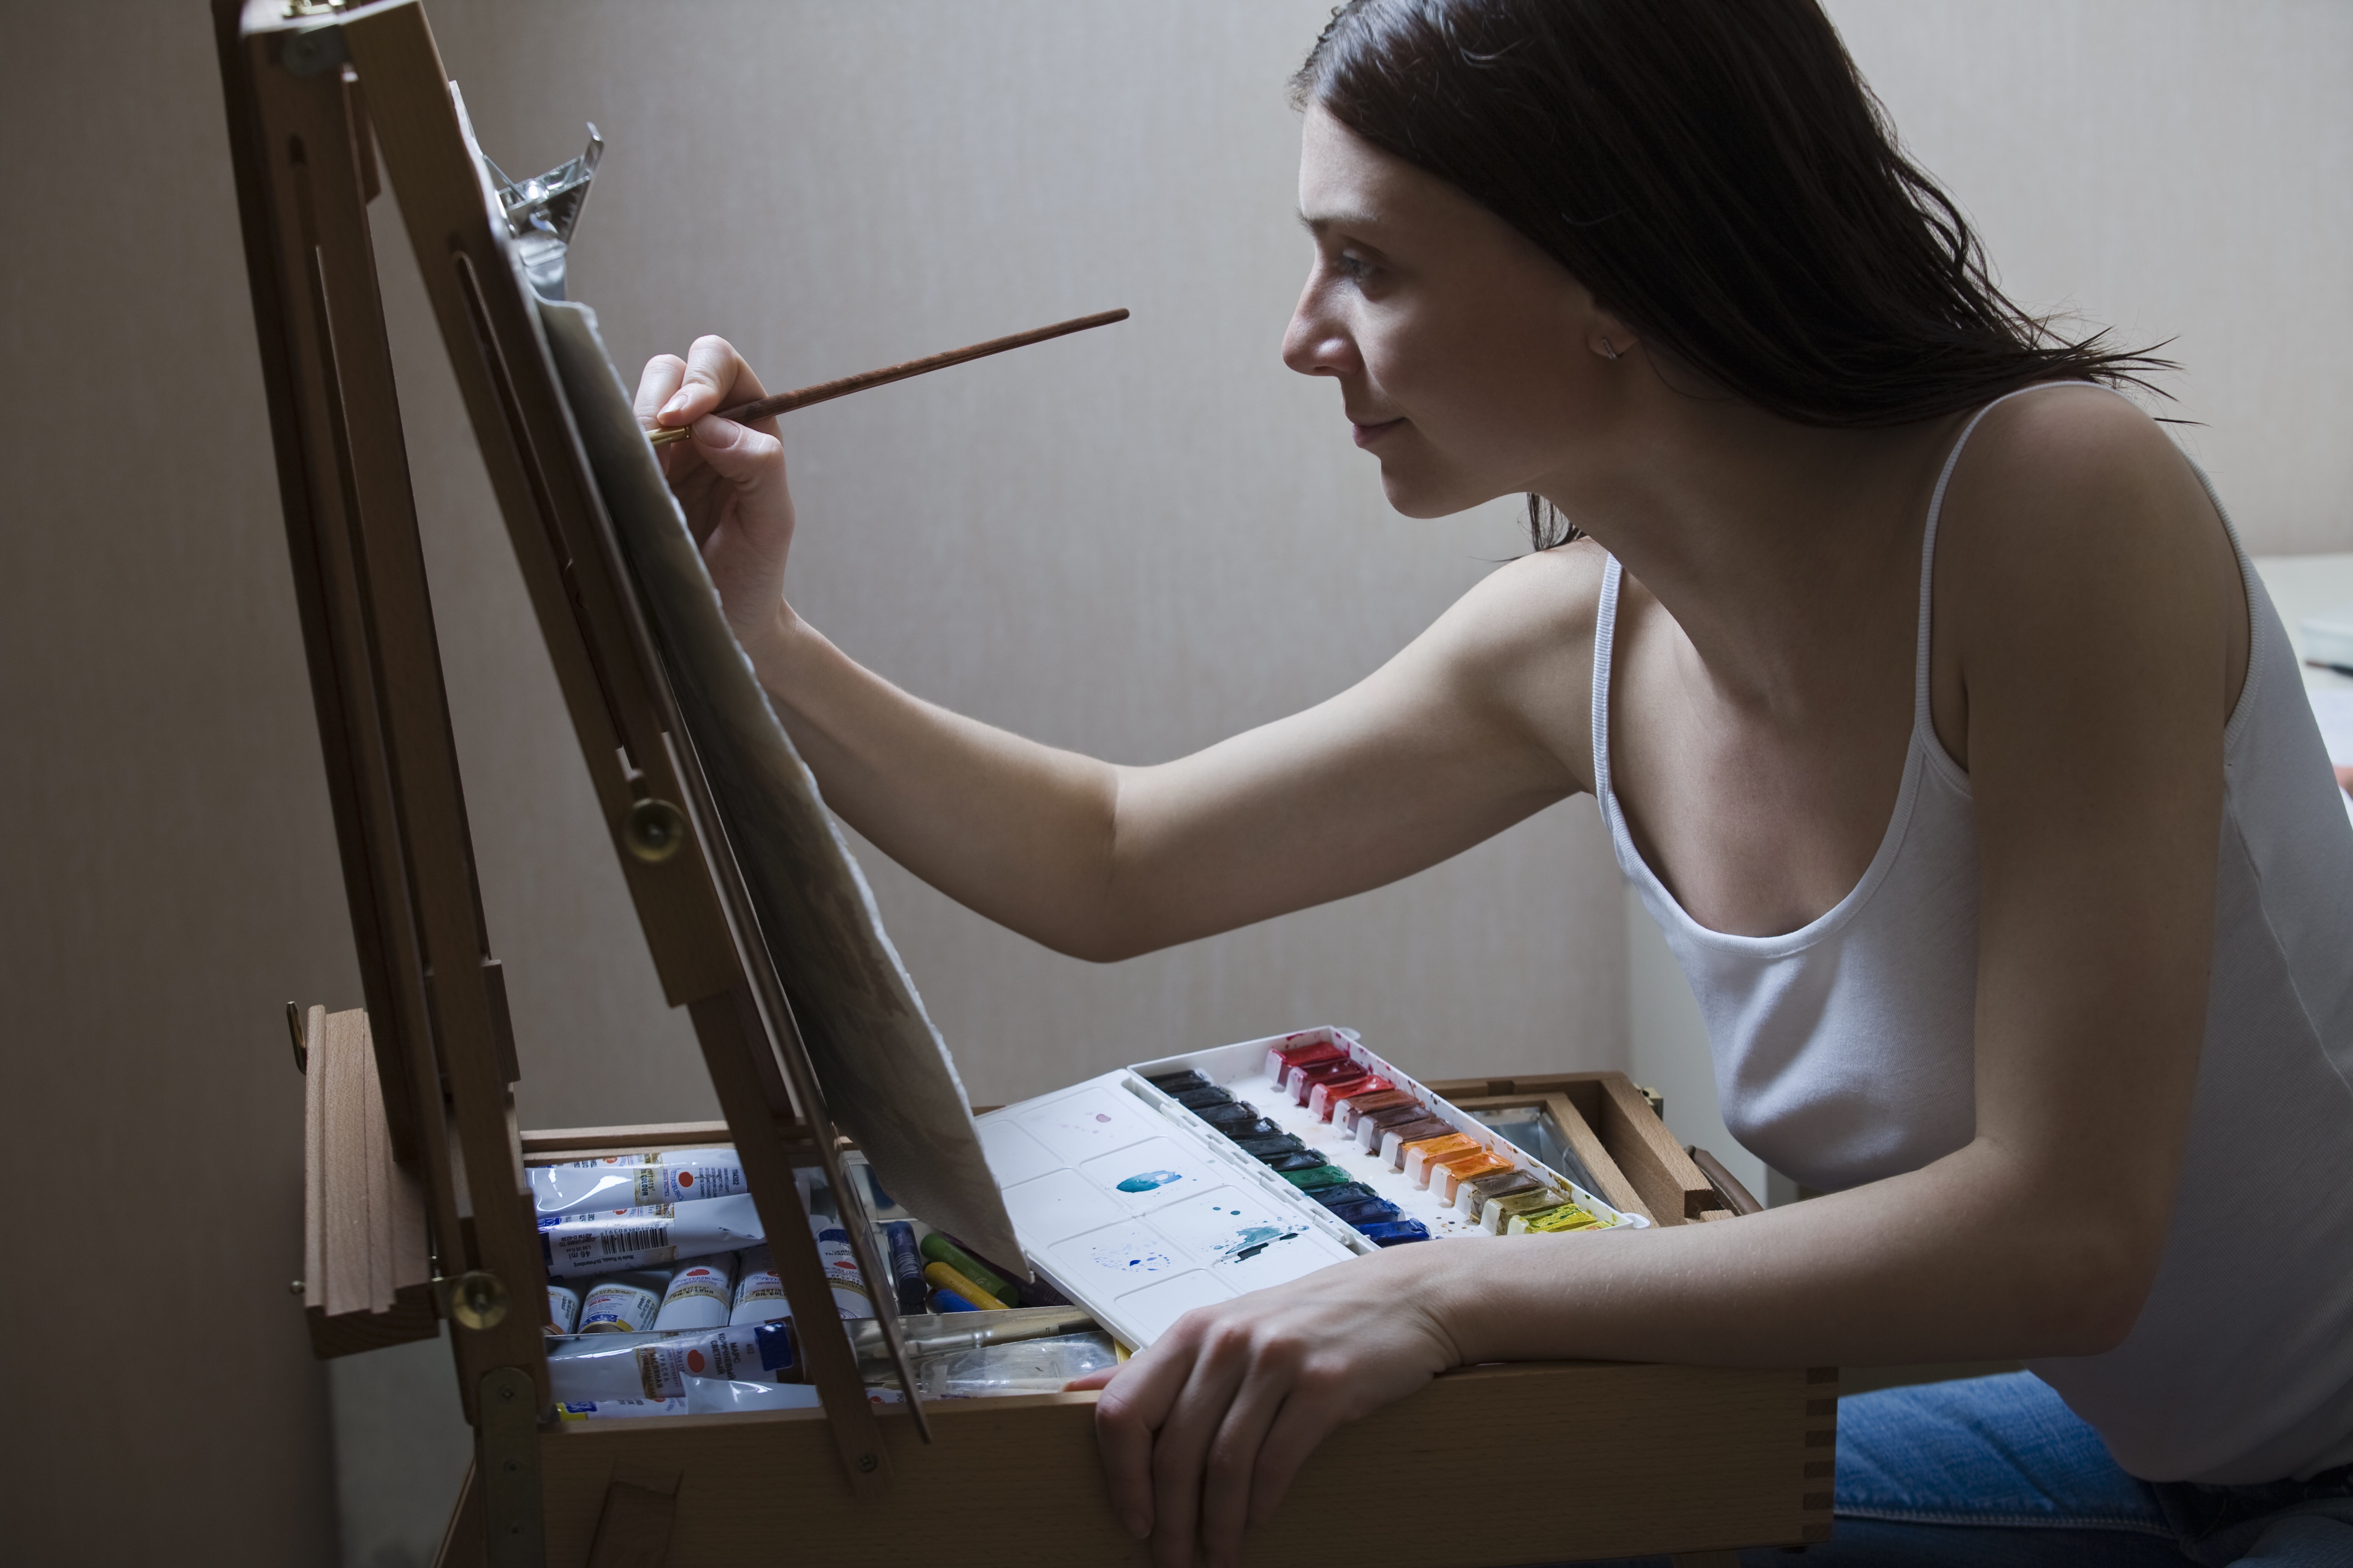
1145	1180
1140	1259
1252	1239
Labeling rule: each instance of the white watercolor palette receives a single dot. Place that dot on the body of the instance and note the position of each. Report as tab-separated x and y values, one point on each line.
1140	1211
1140	1219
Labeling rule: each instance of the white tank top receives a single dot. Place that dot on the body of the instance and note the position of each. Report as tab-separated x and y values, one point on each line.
1844	1053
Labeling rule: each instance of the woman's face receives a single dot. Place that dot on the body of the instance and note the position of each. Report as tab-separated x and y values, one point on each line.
1465	355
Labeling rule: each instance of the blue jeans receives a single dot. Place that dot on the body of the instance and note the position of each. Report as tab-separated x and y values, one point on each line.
1997	1472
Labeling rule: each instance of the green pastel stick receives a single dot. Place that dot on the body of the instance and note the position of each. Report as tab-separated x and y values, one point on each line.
940	1249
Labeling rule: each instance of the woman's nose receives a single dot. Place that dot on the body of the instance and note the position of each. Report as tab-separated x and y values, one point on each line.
1315	344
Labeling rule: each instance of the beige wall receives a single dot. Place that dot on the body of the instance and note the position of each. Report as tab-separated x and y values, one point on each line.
167	875
2178	169
1132	544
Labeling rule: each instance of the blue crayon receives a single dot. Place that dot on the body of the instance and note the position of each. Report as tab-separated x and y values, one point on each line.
949	1301
906	1266
1395	1232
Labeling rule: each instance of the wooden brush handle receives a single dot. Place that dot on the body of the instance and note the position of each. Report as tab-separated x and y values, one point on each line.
826	391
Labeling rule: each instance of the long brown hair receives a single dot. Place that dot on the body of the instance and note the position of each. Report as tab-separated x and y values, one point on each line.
1716	173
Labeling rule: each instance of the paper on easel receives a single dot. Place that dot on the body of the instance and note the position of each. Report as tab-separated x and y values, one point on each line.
886	1074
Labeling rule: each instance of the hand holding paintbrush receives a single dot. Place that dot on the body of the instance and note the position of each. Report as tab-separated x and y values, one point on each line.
824	391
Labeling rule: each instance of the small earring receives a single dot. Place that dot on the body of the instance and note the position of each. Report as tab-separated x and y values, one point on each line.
1607	352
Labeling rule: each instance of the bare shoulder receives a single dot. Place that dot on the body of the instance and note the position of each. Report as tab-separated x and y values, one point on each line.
2082	481
1520	645
2077	543
1538	607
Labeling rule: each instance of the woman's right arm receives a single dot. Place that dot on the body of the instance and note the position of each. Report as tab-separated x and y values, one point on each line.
1426	756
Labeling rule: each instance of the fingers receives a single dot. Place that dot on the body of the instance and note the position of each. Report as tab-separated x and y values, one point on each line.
1136	1399
744	456
657	386
1180	1456
1229	1489
1297	1429
715	377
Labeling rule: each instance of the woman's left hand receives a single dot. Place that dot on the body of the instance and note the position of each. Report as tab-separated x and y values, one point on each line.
1202	1433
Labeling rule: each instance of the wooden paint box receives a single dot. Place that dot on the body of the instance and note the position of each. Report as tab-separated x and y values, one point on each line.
1692	1461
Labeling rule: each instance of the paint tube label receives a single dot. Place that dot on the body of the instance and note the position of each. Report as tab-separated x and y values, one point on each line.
756	1352
619	1409
850	1297
641	1238
619	1306
643	1157
562	1309
583	1370
699	1295
759	1294
558	1190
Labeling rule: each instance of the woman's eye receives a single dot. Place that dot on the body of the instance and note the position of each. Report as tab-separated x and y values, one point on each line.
1355	268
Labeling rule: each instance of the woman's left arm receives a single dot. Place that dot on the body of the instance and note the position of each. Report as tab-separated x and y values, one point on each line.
2087	664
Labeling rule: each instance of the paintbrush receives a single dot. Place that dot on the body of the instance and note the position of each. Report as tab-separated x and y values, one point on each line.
824	391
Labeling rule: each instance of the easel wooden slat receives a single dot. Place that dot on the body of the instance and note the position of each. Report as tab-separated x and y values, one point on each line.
272	116
556	526
366	1282
365	425
570	577
340	1065
314	1163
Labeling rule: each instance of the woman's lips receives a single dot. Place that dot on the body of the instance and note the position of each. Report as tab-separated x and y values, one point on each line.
1367	434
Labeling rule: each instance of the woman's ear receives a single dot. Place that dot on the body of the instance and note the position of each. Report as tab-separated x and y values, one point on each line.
1610	337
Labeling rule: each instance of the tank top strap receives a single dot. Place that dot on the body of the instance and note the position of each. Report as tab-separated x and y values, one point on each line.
1920	718
1605	635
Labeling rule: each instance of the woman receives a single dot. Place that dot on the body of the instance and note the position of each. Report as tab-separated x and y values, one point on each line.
1938	681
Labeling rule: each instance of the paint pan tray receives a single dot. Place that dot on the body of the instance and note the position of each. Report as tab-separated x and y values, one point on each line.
1140	1210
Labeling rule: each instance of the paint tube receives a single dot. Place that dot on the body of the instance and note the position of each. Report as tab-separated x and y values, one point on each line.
624	1304
657	1367
641	1238
562	1309
850	1297
759	1293
559	1190
699	1295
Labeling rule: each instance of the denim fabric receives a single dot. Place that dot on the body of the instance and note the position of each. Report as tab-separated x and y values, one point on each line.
1996	1472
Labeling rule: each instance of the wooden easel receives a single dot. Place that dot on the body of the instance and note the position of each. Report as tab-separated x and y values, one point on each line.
316	94
1682	1459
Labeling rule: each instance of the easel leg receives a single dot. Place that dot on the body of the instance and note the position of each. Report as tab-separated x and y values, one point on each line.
461	1542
